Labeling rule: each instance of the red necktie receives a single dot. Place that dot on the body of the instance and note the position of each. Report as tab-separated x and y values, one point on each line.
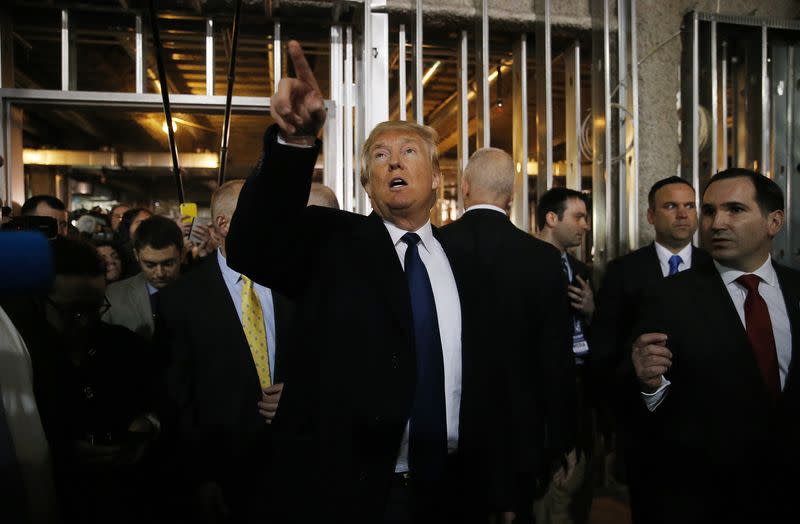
759	332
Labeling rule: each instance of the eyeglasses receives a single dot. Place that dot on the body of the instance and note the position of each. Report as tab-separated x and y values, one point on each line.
80	312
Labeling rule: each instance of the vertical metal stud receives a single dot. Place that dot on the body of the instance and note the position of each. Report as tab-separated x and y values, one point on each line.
347	121
401	71
544	99
277	71
418	94
520	214
139	55
209	57
482	117
722	155
463	113
694	104
632	158
780	129
764	165
622	100
603	217
793	132
572	83
67	53
332	175
714	156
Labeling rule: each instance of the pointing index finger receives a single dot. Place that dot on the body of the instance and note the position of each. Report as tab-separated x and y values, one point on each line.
301	67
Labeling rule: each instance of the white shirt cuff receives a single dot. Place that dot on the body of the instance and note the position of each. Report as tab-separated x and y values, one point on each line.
653	400
285	143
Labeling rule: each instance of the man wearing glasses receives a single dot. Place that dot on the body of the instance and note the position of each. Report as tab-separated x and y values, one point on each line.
91	387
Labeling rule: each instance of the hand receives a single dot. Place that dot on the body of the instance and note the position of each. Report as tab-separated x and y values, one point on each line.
651	359
207	242
96	456
298	107
269	401
564	474
581	297
187	227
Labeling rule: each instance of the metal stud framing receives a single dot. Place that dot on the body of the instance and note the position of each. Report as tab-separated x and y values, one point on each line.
482	117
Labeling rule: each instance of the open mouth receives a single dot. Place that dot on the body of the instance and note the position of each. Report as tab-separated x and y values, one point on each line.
397	182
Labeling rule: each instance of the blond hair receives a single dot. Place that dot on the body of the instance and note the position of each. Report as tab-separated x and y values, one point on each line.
428	135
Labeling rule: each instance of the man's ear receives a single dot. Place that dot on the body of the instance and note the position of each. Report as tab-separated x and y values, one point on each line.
464	188
222	225
551	218
650	216
437	179
775	222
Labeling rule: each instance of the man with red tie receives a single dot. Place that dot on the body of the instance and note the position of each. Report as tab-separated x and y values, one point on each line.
717	377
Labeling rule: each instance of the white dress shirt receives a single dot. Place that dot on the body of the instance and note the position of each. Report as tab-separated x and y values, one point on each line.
448	311
486	206
665	254
770	290
234	283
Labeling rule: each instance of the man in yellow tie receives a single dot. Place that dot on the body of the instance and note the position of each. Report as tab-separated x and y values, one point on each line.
224	337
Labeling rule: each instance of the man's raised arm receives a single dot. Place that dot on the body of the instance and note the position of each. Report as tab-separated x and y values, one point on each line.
266	239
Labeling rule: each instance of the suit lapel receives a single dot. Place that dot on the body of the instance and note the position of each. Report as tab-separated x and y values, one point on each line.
382	267
227	319
140	300
653	265
791	295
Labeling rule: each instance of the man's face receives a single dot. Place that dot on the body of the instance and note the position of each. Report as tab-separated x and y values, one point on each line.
569	231
74	303
735	231
402	180
43	210
160	266
116	216
674	216
138	219
113	263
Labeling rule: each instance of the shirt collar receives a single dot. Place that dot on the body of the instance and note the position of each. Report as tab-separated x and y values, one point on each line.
230	276
487	206
425	233
665	254
151	290
766	272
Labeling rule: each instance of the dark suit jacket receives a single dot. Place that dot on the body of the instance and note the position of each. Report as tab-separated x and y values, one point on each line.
619	301
352	372
516	284
211	422
725	450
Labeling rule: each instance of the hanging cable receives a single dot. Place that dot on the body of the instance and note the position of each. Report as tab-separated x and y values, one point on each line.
162	80
226	125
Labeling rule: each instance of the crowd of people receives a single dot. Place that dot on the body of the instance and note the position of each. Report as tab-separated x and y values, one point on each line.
305	364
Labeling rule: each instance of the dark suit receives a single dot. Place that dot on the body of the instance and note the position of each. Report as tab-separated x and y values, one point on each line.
619	303
517	286
724	450
352	380
214	432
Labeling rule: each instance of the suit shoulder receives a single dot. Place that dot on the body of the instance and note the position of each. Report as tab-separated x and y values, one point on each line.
121	287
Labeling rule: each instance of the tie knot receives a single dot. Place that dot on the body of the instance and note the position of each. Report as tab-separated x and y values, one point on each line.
246	281
750	282
412	239
674	263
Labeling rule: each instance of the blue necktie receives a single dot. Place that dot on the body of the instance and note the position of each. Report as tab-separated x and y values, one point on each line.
427	443
674	262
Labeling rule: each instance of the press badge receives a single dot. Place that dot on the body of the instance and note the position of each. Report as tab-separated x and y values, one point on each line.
579	345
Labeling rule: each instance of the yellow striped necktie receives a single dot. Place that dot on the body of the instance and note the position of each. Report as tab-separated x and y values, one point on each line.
253	325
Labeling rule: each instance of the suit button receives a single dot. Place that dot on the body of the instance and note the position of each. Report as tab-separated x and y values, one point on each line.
395	360
378	419
362	476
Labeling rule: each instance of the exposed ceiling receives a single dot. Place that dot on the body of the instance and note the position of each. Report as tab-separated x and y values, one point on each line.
103	34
